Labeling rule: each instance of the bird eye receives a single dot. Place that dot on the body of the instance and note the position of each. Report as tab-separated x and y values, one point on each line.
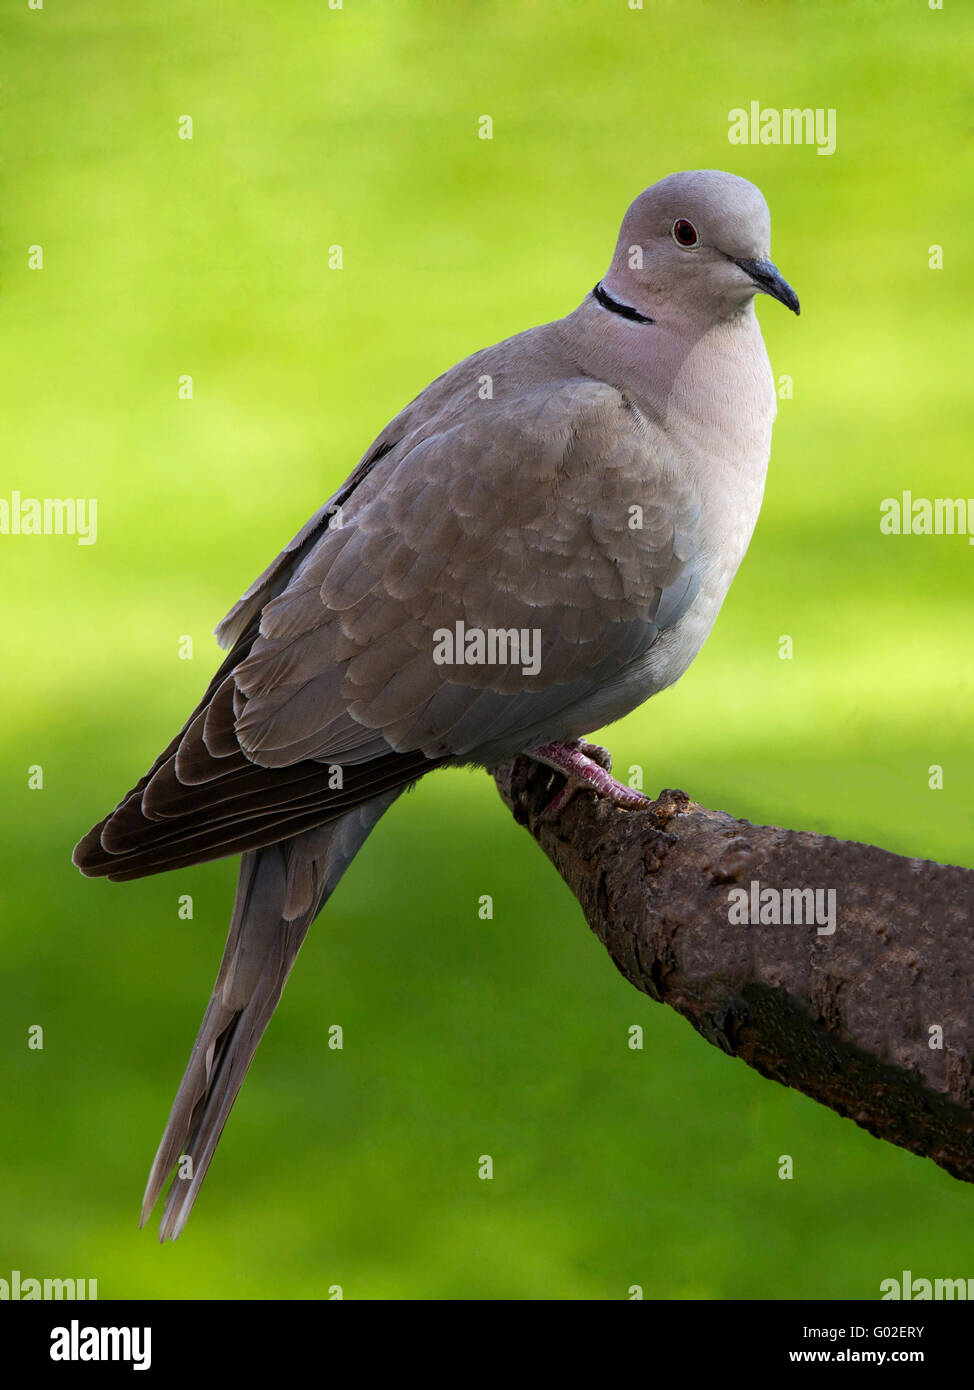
684	233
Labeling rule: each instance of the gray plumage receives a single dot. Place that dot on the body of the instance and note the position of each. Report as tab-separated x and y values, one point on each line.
279	893
596	479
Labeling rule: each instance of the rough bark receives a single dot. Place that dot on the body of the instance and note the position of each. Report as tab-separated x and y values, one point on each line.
848	1017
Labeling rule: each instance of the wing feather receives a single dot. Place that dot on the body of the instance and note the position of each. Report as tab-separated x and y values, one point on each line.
498	516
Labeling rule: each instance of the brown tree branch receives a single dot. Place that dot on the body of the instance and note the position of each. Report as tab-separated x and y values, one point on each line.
849	1016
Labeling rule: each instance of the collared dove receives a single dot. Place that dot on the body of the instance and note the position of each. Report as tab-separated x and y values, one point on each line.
537	544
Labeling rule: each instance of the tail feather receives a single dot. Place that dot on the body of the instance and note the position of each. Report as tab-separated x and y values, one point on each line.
280	891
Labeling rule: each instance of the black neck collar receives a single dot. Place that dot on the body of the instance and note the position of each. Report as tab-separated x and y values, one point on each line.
625	311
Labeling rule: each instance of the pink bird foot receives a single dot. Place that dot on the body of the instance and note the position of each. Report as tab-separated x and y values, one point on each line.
584	765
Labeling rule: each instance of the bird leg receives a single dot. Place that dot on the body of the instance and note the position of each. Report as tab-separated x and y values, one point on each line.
584	765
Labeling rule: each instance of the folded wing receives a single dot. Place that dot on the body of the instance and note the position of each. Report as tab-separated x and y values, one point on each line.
543	515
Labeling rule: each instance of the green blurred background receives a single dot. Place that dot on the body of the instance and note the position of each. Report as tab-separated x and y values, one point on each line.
162	256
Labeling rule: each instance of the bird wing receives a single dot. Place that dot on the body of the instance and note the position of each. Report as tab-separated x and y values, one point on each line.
545	514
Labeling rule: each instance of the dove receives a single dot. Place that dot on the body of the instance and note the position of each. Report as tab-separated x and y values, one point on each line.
536	545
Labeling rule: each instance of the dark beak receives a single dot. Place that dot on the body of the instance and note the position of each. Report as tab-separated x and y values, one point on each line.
769	280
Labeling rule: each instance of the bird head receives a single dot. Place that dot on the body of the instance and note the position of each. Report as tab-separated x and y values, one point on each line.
696	246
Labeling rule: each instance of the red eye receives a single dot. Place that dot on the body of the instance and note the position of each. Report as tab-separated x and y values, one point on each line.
684	232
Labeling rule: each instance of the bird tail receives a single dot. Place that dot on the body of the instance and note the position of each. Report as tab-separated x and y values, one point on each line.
280	891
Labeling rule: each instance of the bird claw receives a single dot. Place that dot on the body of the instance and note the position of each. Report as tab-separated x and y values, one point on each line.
585	766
